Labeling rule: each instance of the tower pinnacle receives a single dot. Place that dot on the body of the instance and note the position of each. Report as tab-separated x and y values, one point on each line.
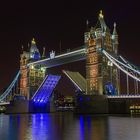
101	14
33	41
87	25
114	24
43	54
22	47
87	22
114	30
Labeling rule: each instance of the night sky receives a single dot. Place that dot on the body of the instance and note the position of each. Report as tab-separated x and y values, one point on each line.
49	22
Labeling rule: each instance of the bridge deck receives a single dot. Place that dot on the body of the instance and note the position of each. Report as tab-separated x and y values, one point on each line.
77	79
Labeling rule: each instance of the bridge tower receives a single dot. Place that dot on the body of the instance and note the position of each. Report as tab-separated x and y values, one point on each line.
102	77
31	76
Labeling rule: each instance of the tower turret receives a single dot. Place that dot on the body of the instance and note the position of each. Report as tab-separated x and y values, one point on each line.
115	39
34	52
43	54
87	33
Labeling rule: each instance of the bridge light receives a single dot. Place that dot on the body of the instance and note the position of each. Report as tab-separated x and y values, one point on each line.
110	63
32	66
43	69
41	101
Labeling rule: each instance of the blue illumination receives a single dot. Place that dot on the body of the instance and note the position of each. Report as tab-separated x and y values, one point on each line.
110	89
43	94
85	126
80	99
41	124
89	122
82	127
36	55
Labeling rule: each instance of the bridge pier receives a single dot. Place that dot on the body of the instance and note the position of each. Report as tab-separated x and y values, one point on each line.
26	106
41	107
18	106
94	104
121	105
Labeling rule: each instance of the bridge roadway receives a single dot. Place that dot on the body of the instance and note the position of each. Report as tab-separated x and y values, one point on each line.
68	57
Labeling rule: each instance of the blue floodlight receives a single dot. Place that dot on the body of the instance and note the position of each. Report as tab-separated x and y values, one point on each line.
110	89
45	90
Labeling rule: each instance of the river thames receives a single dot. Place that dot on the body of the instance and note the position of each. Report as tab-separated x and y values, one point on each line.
68	126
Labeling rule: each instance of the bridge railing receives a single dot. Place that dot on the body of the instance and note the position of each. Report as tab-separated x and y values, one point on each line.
124	96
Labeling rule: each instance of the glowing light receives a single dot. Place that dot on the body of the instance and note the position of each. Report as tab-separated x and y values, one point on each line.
43	69
101	14
4	103
32	66
45	90
52	54
124	96
110	63
33	41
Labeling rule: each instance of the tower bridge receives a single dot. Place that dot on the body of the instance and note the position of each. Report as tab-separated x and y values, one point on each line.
97	91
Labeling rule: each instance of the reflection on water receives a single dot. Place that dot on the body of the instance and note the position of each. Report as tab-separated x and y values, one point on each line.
68	126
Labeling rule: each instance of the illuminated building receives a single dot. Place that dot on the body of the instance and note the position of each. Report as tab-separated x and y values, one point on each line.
31	76
102	77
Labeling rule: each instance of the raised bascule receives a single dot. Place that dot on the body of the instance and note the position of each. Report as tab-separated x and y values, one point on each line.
99	92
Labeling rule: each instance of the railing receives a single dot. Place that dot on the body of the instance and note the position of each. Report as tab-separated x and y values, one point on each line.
124	96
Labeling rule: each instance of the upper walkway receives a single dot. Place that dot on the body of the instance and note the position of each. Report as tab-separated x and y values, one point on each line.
65	58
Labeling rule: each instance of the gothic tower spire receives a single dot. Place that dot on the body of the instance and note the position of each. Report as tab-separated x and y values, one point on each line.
114	30
115	39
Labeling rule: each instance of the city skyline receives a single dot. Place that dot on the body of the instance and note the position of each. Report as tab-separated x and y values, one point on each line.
49	23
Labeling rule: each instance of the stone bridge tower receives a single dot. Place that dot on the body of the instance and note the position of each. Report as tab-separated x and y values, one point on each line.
102	77
31	75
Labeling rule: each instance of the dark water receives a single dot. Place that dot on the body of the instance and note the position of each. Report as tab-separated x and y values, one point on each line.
68	126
